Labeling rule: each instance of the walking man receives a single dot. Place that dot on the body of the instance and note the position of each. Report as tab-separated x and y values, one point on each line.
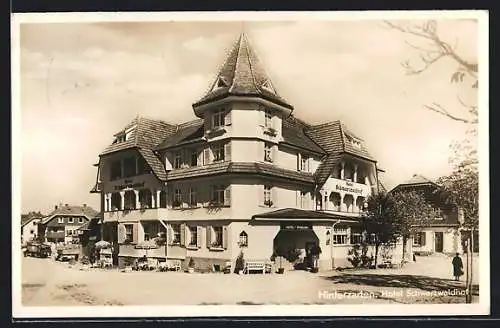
457	267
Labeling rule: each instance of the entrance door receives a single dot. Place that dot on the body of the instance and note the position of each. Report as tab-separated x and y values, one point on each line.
438	242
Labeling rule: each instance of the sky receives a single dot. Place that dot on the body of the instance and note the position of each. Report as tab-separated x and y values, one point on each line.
82	82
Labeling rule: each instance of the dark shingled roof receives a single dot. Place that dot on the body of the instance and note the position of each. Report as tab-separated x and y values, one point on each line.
154	163
294	213
186	132
242	74
239	167
294	132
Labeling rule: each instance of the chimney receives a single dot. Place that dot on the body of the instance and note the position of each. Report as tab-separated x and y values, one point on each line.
55	207
84	205
66	205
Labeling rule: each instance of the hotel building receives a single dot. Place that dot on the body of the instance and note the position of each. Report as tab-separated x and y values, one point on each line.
245	176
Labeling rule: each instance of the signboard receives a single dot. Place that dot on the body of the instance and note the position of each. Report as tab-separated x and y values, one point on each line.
295	226
129	184
348	186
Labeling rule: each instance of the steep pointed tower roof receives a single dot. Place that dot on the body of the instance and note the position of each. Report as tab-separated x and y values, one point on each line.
242	74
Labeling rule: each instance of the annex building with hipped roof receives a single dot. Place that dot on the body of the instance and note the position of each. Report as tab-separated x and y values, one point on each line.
441	233
246	175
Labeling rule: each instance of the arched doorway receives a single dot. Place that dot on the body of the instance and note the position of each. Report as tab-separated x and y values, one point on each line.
348	203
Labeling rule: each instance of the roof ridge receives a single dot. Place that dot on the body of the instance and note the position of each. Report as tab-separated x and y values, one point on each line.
189	123
252	74
327	123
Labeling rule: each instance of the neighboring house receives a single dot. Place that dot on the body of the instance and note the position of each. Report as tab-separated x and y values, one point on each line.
61	225
29	229
246	175
441	233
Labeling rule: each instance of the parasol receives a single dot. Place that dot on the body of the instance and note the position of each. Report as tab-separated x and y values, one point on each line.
102	244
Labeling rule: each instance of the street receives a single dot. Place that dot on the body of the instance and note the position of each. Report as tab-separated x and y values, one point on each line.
49	283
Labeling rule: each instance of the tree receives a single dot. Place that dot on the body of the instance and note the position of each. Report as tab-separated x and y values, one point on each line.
380	221
411	212
432	49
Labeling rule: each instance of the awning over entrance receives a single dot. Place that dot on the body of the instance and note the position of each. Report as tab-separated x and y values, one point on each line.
294	214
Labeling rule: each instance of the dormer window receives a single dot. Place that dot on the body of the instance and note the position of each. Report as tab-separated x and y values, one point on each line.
218	118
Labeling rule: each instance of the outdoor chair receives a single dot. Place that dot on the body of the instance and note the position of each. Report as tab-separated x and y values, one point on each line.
162	266
152	263
227	267
255	266
174	265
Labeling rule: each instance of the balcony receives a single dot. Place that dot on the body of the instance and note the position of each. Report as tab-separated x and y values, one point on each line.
135	215
55	235
347	187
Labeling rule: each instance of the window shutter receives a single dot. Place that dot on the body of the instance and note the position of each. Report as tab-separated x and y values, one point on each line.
274	196
170	235
227	151
206	156
274	153
183	234
298	161
309	161
224	237
135	233
200	157
298	199
422	240
308	201
262	151
209	236
227	117
261	194
199	231
208	121
122	233
227	196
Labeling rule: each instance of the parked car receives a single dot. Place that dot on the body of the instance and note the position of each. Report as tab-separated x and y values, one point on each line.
37	250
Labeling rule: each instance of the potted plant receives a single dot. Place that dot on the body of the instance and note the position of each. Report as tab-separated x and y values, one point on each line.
176	203
268	203
191	265
239	266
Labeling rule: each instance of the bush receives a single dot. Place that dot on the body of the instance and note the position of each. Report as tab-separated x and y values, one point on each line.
240	263
128	261
358	258
191	263
293	254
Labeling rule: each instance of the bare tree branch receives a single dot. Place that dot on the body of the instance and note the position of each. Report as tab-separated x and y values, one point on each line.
441	110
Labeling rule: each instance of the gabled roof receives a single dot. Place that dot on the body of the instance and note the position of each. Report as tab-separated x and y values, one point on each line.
26	220
242	74
332	137
72	210
418	179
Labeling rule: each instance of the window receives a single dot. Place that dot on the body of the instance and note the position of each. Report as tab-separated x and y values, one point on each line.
177	198
193	236
194	158
70	220
268	152
218	194
116	170
217	239
121	138
70	232
268	118
243	239
218	152
145	198
267	195
60	220
129	232
303	163
304	201
356	238
176	229
32	232
129	167
437	213
177	160
129	198
419	239
339	237
218	118
163	199
151	230
193	202
80	220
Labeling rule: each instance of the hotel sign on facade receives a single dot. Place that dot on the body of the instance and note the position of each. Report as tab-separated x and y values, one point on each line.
347	186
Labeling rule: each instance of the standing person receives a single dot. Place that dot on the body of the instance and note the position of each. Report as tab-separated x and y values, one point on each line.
315	252
457	267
